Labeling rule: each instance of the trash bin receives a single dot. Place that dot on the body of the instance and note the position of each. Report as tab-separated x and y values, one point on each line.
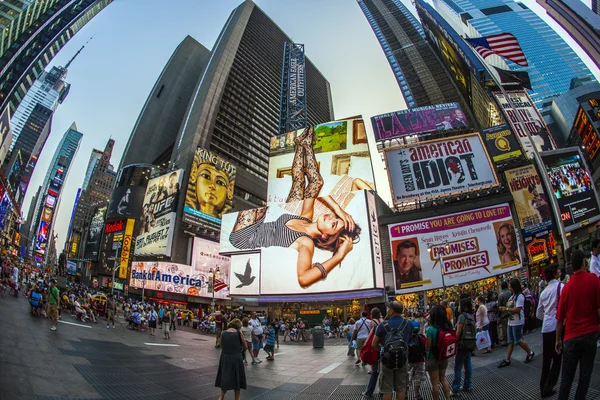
195	324
318	337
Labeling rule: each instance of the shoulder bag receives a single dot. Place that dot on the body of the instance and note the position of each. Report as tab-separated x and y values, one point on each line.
368	354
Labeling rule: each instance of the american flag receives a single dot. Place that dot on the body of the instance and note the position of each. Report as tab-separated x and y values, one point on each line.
219	285
503	44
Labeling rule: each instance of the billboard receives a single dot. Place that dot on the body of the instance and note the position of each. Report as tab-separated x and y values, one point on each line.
572	187
588	136
209	192
94	235
71	267
524	119
126	248
533	206
205	257
245	274
461	247
47	214
42	237
178	278
293	96
438	168
414	121
74	247
126	202
57	182
501	144
155	230
50	201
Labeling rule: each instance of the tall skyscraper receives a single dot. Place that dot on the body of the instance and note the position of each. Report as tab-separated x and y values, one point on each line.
32	33
158	124
579	21
419	72
552	63
49	199
94	159
596	6
96	191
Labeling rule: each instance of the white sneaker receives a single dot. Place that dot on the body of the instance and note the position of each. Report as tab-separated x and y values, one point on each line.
113	327
107	327
53	328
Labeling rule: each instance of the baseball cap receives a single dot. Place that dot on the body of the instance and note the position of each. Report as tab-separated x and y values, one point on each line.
395	305
416	326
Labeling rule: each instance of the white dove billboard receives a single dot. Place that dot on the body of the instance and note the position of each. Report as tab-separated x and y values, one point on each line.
245	273
438	168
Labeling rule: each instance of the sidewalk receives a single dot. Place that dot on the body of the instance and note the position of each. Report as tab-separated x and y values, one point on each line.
88	361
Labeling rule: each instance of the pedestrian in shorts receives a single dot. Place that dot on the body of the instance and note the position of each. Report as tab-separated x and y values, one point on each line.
53	302
270	346
110	309
416	371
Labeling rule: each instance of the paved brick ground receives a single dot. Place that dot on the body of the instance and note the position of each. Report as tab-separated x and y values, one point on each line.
78	362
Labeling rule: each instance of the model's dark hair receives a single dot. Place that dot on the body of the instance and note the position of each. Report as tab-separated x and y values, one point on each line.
439	319
333	242
466	306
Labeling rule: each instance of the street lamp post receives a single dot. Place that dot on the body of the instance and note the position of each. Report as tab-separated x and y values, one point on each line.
440	259
116	265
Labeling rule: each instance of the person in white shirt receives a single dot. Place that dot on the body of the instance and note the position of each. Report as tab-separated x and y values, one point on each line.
546	311
595	261
361	333
257	332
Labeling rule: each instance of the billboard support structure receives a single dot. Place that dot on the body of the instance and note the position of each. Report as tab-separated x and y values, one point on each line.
293	112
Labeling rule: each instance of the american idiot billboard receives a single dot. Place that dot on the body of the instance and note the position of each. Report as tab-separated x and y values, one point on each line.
438	168
415	121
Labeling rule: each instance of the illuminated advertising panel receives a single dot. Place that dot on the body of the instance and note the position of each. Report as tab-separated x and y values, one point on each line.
71	267
206	257
533	206
42	237
74	248
414	121
438	168
501	143
47	214
57	182
50	201
572	187
209	192
524	118
158	215
588	135
461	247
126	248
178	278
126	202
94	236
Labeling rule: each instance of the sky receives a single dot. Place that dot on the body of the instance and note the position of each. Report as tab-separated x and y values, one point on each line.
133	40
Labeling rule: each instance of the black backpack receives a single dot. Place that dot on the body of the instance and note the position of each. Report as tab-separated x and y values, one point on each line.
395	350
416	349
468	338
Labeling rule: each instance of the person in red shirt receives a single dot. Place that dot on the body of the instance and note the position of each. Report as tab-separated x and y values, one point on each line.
579	317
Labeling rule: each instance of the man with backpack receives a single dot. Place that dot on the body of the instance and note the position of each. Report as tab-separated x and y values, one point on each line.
393	335
466	334
416	359
361	333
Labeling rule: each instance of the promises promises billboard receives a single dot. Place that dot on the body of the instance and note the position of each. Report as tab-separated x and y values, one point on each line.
532	204
158	215
464	247
178	278
414	121
438	168
525	119
572	187
209	192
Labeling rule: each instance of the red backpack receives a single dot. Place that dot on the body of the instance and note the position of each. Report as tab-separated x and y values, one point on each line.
446	344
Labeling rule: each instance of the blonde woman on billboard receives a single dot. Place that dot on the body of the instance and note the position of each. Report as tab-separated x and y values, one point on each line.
331	232
507	244
210	188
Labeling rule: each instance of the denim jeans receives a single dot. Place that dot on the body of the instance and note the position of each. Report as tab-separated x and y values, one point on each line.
580	350
463	357
372	379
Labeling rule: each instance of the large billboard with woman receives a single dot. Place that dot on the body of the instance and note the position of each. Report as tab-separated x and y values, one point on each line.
314	235
209	192
454	248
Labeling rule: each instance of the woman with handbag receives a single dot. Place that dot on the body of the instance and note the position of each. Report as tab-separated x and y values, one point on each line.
368	348
231	374
483	321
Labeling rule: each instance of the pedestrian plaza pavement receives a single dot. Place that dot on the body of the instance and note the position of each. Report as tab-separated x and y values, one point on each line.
79	362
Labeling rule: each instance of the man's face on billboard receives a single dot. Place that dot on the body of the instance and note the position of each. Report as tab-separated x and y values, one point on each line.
406	259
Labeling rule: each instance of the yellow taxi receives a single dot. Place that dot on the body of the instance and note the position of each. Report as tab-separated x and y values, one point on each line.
186	313
100	297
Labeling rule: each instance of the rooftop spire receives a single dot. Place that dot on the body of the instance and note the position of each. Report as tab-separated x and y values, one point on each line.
76	54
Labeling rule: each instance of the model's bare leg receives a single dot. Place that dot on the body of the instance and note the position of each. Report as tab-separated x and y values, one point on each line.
315	180
298	178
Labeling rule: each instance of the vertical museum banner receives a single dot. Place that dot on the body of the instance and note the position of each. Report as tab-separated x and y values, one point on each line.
453	249
533	206
155	231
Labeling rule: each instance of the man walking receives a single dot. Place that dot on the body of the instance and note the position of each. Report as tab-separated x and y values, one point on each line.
110	309
361	333
578	316
53	301
393	380
546	311
595	261
502	302
257	334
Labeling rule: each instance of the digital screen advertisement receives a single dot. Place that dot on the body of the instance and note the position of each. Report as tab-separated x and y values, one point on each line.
501	143
94	237
438	168
414	121
156	225
572	187
209	192
464	247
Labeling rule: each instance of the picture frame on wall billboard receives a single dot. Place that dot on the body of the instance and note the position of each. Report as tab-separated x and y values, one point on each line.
209	193
573	190
438	168
463	247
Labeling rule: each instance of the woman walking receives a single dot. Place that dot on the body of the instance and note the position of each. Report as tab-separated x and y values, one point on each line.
516	319
167	323
247	333
437	368
348	331
483	322
466	339
231	374
375	321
